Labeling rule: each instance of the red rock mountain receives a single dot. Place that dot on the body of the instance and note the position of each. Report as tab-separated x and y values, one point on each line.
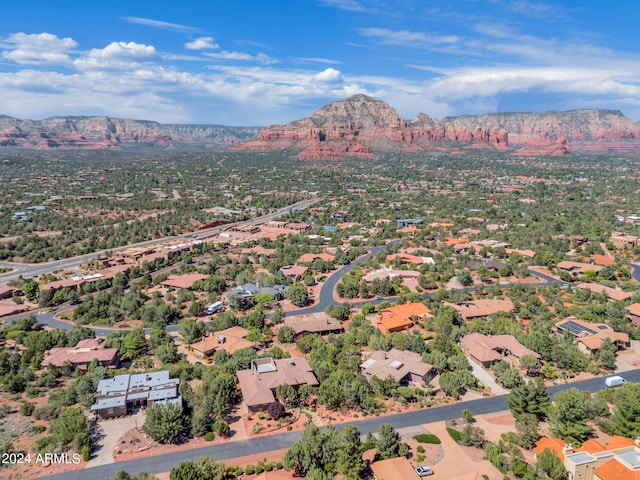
362	125
115	134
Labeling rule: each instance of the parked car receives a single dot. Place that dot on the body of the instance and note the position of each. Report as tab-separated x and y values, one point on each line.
615	381
424	470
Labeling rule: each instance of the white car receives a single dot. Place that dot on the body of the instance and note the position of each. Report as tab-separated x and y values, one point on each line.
424	471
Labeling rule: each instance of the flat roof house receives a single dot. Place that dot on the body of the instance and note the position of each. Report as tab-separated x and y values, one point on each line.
116	394
259	382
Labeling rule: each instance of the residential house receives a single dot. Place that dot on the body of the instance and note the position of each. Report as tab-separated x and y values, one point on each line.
7	291
624	240
618	458
396	319
633	313
80	356
404	367
184	281
603	260
589	336
294	272
9	307
117	394
409	222
320	323
248	290
488	264
394	469
488	349
311	257
230	340
578	268
408	258
481	308
259	382
612	293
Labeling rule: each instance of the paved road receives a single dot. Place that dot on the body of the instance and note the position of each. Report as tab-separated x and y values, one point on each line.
164	463
28	270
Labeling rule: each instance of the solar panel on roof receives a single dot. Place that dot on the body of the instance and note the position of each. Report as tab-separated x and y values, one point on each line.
576	328
602	327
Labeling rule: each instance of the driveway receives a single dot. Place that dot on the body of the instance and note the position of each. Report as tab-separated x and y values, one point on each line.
628	359
109	431
486	379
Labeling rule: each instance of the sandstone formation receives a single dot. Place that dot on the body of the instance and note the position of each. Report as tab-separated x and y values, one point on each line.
362	125
115	134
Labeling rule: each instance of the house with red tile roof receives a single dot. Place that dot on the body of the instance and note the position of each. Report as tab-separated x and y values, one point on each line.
612	293
617	459
394	469
294	272
633	313
9	307
396	319
603	260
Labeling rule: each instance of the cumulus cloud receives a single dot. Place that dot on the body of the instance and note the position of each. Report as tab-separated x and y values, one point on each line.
330	75
38	49
202	43
117	55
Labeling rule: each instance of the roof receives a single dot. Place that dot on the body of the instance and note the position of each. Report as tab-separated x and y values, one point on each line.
554	444
84	352
9	307
487	348
313	323
184	281
482	308
633	309
614	470
399	317
612	293
579	267
275	475
396	364
294	270
257	385
394	469
613	443
310	257
603	260
524	253
582	330
230	340
408	258
6	290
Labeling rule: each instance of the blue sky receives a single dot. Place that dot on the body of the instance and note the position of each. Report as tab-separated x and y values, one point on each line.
261	62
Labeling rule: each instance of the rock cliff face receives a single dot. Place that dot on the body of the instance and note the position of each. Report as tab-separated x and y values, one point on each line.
361	125
115	133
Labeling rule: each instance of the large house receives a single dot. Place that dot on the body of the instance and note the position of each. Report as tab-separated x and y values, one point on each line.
184	281
488	349
396	319
116	394
481	308
403	366
81	356
320	323
578	268
618	458
230	340
589	336
248	290
259	382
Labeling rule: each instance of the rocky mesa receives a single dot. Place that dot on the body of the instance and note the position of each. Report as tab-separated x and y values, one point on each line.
115	134
361	126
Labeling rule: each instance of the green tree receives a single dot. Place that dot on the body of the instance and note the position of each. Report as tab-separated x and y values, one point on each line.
297	294
190	330
606	354
388	443
472	436
286	334
625	420
165	423
286	394
549	463
349	460
72	428
30	289
530	363
530	397
450	383
527	428
568	415
203	469
167	352
133	344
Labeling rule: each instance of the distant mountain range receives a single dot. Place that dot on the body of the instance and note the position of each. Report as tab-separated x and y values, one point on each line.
358	126
116	134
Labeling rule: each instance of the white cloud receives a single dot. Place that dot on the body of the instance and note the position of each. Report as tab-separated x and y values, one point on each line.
303	60
330	75
348	5
202	43
118	55
407	37
226	55
162	25
38	49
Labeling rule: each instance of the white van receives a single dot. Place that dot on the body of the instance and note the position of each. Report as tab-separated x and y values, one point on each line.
615	381
215	308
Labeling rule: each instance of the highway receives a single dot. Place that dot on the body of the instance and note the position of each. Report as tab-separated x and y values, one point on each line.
29	270
165	462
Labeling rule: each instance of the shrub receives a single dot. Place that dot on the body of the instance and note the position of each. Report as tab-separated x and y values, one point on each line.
427	438
420	458
257	428
250	470
209	436
27	409
259	469
278	465
38	429
455	434
420	449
